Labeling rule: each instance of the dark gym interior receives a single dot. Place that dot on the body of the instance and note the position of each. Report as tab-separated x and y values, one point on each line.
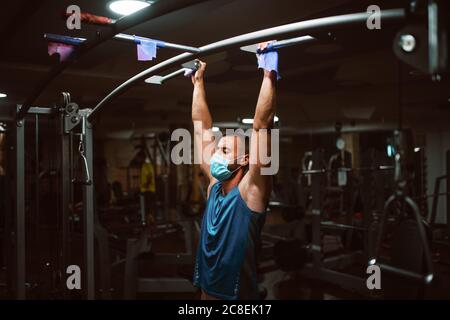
88	181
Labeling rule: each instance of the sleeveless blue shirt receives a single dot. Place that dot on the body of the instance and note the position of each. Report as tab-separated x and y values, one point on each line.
226	260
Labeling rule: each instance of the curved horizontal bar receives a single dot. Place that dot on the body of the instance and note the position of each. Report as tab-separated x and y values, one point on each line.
156	10
299	28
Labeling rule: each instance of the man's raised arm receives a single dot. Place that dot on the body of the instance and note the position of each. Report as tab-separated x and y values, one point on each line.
262	123
256	187
202	120
265	107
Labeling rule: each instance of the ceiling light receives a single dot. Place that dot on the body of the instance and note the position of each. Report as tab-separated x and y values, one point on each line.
3	95
416	149
127	7
215	129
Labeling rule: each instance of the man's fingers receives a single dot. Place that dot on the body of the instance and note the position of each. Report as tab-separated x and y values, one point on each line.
263	45
198	74
202	65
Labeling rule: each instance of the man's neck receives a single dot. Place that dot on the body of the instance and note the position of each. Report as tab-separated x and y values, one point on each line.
228	185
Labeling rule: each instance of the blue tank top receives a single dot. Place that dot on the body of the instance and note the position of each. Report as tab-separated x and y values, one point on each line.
226	260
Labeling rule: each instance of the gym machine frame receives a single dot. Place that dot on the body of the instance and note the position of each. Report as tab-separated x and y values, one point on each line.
435	195
401	196
19	283
70	117
322	268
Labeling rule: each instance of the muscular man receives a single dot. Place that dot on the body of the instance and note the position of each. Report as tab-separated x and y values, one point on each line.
238	195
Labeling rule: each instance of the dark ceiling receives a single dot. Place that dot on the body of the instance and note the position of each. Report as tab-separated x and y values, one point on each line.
351	79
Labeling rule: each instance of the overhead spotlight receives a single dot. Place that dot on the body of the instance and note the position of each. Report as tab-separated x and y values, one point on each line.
3	95
416	149
127	7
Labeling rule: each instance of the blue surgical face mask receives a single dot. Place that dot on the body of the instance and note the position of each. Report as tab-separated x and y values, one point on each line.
219	168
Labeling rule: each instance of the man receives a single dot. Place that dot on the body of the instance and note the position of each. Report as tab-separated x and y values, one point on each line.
237	194
147	182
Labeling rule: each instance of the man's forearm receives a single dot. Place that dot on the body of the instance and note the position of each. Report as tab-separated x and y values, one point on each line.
200	110
265	107
201	118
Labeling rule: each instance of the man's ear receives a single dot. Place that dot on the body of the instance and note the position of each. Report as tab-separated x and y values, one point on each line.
244	160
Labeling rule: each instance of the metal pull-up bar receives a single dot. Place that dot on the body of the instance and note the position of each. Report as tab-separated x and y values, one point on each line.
253	48
161	79
189	67
122	37
299	28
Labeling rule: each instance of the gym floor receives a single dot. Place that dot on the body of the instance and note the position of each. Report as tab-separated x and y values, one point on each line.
94	96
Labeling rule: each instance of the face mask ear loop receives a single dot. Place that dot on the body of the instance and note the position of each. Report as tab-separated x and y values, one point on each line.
232	172
243	156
